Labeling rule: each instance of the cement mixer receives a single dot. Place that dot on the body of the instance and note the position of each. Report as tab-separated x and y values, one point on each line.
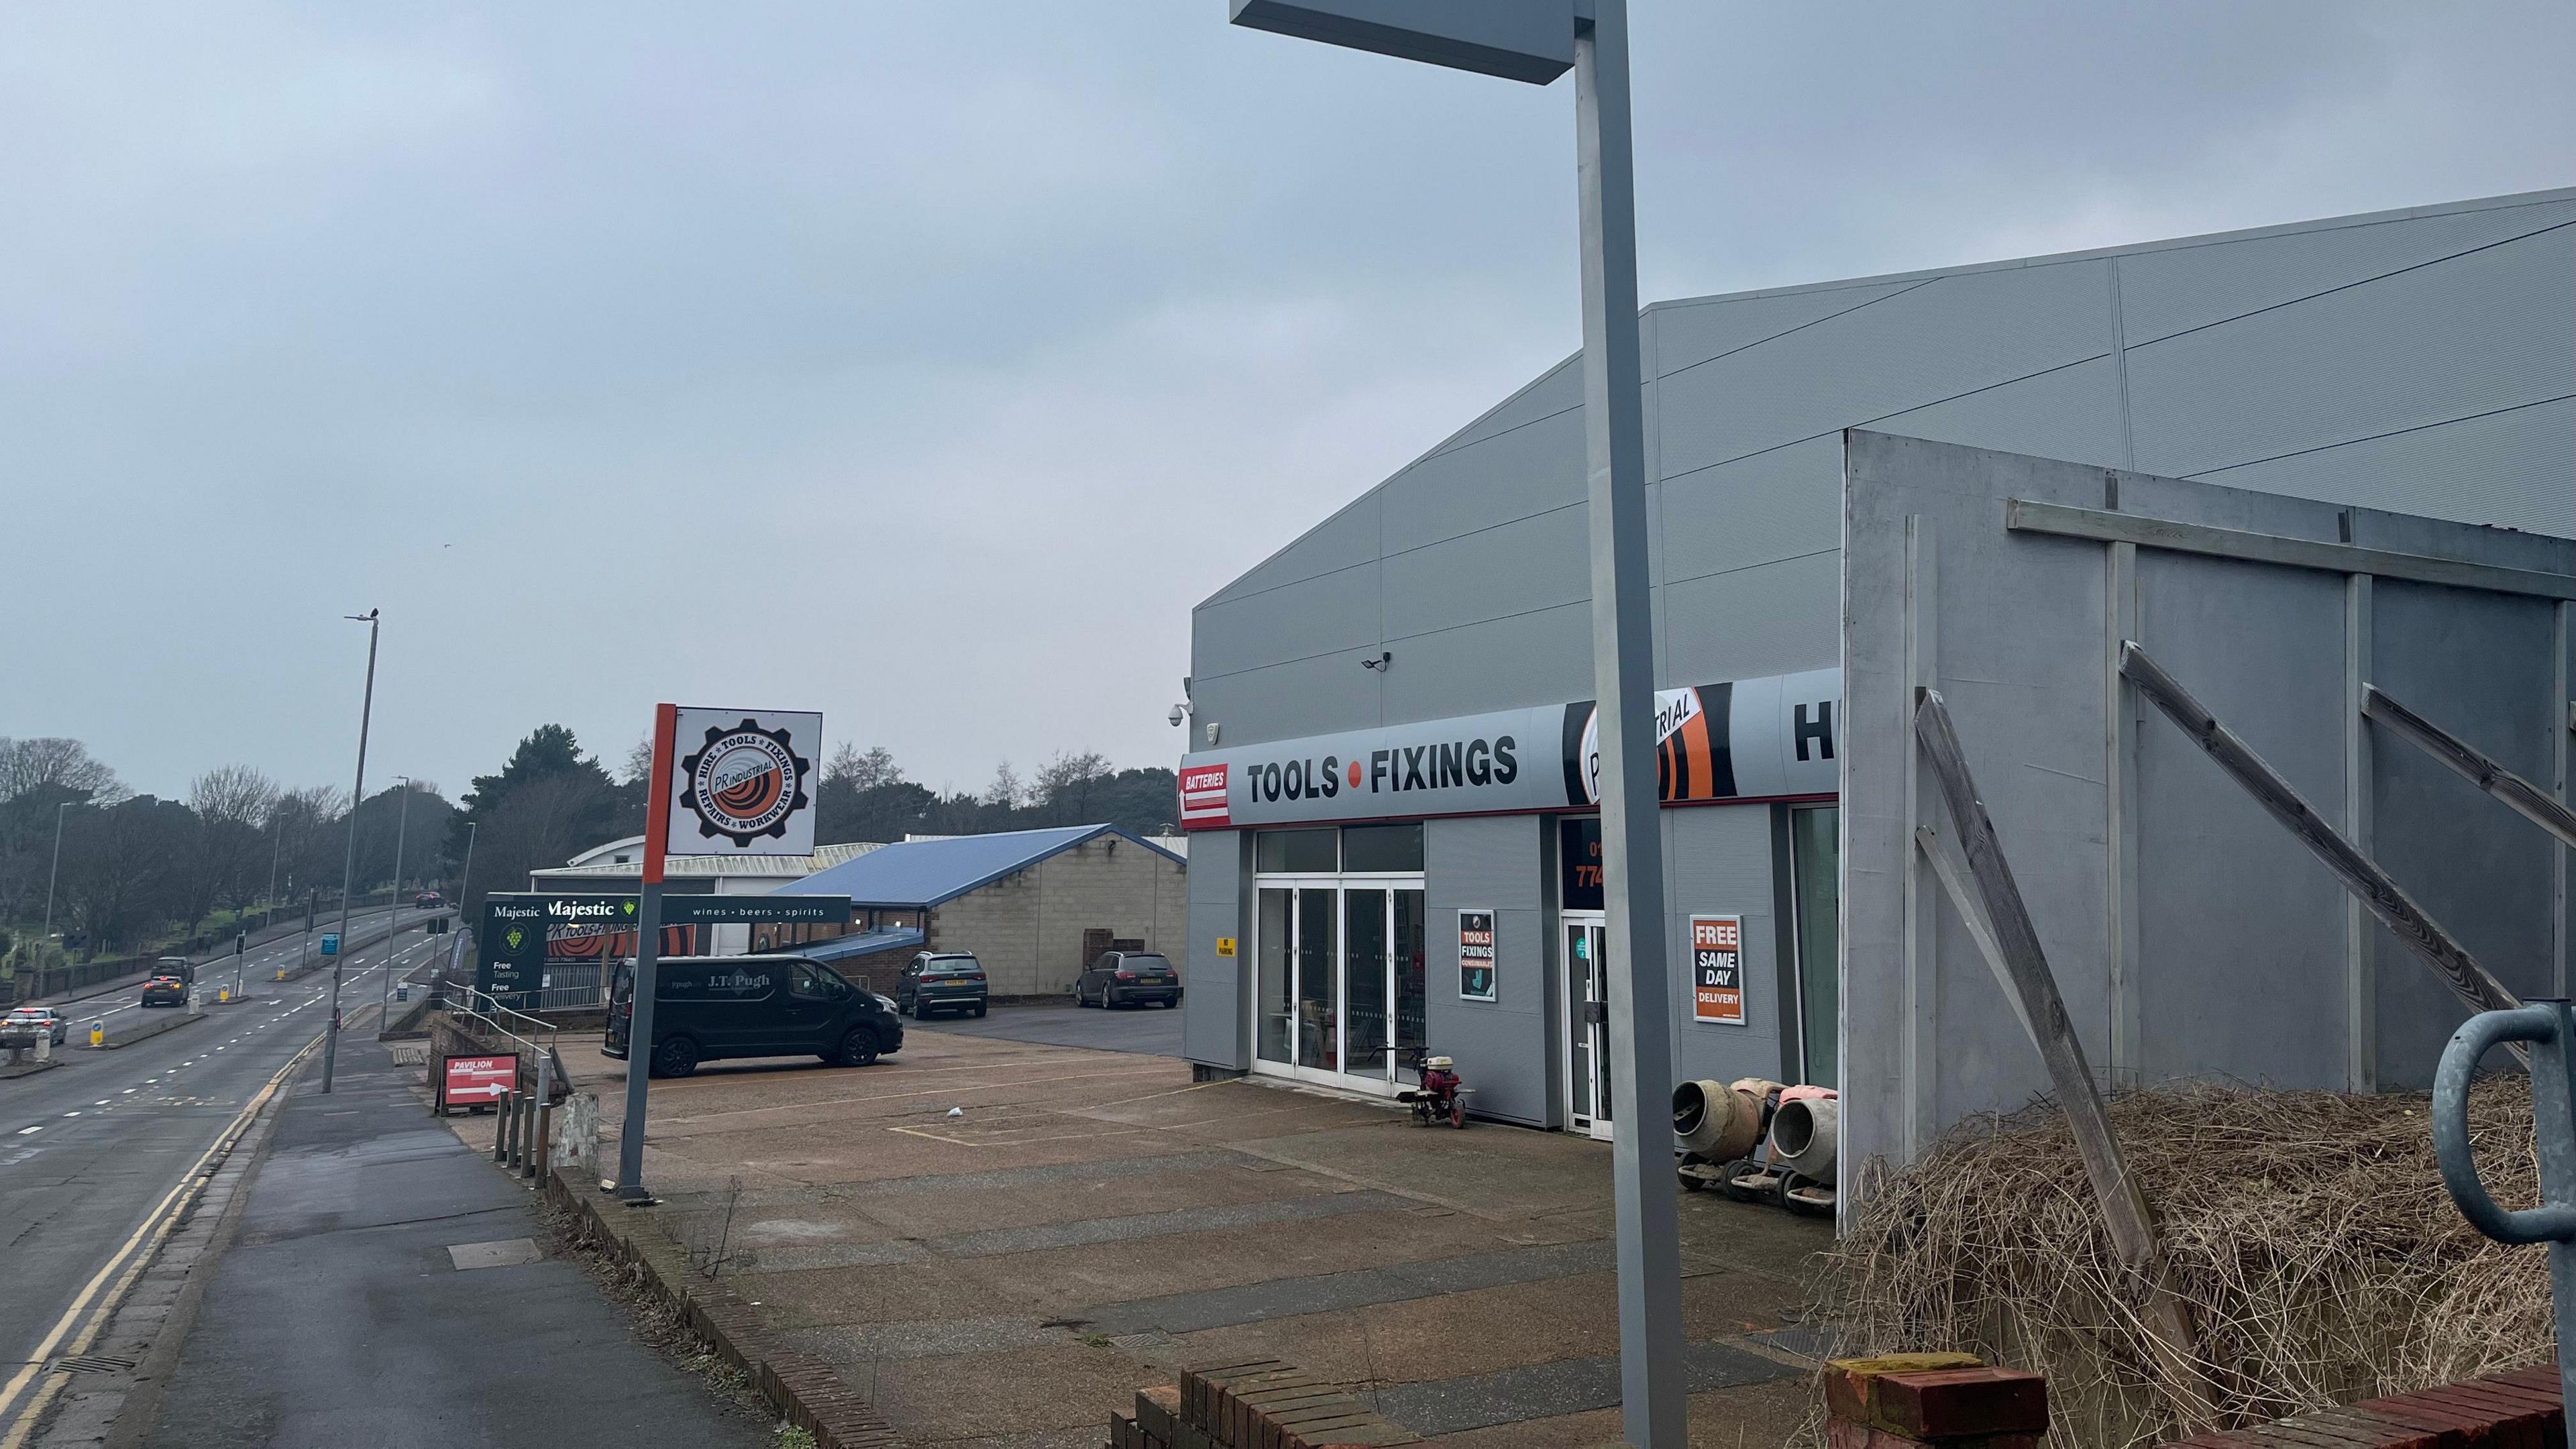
1756	1140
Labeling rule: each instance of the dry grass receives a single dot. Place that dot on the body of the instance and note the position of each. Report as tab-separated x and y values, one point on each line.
2309	1231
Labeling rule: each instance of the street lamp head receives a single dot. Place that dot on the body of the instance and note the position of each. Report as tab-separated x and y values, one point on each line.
368	617
1522	40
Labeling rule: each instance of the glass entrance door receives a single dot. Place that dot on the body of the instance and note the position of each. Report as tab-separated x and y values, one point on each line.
1339	986
1587	1024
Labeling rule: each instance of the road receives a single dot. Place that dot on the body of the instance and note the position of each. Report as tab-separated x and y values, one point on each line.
91	1150
259	964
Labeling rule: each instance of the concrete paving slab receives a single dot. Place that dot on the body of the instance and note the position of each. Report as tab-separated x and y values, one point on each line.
505	1253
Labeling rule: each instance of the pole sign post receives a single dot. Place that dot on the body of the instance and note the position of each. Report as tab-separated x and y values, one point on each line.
724	782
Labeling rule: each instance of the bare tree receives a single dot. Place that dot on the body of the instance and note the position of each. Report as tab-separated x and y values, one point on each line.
639	763
859	769
1065	785
33	764
230	803
1006	792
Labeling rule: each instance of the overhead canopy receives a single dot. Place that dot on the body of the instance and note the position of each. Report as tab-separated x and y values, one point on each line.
924	873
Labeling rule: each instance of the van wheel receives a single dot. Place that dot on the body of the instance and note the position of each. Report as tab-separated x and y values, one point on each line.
675	1057
858	1049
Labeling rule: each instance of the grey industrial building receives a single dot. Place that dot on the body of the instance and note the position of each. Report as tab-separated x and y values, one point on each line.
1387	779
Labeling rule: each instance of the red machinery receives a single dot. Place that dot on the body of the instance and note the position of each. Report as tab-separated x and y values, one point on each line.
1441	1097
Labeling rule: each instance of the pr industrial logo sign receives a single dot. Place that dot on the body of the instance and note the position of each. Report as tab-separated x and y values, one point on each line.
744	785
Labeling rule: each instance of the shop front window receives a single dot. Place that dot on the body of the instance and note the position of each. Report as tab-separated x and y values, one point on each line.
1340	952
1815	856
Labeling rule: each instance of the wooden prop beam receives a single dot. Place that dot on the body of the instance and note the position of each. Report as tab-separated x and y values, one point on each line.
2361	875
2025	966
2519	795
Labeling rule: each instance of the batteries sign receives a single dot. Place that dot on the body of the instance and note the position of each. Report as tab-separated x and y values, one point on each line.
1717	970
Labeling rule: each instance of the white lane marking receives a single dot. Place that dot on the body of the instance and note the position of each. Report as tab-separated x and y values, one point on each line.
101	1102
71	1114
23	1131
128	1090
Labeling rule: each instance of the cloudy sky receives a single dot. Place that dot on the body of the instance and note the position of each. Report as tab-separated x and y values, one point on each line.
923	364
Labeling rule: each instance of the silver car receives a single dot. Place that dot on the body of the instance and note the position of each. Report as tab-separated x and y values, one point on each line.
25	1024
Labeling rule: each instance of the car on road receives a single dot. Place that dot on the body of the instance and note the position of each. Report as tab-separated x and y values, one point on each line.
165	989
942	981
1127	978
427	900
705	1007
25	1025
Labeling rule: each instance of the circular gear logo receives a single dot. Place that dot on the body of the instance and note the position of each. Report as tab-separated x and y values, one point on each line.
745	782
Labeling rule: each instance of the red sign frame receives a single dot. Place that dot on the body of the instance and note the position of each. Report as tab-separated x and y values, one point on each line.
484	1076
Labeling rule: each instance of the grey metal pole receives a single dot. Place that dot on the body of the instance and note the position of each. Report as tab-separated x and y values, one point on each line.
1632	854
465	876
402	825
639	1039
57	873
349	858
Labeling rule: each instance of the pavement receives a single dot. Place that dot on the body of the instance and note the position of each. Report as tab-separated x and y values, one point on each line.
90	1150
1152	1030
390	1287
997	1241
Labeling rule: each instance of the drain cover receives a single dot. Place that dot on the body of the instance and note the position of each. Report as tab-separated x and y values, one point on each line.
92	1363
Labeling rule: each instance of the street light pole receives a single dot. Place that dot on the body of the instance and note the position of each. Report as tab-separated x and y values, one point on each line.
349	858
276	849
57	872
1536	41
402	825
1623	667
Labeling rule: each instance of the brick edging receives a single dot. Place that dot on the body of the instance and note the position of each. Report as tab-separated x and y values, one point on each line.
804	1390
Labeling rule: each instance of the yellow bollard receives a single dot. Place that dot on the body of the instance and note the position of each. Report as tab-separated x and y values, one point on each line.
98	1033
223	994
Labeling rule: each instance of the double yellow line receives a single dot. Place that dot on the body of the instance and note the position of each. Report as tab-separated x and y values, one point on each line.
96	1304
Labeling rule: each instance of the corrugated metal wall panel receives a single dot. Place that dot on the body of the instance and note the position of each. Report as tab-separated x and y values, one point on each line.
1501	664
1717	861
2477	470
1294	621
2173	289
1347	538
1690	333
1780	504
1511	568
1212	1004
1914	349
1502	1045
2072	413
2480	332
1284	701
1769	619
1528	470
1554	391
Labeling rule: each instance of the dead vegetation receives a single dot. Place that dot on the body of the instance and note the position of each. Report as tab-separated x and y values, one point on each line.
658	1322
2308	1230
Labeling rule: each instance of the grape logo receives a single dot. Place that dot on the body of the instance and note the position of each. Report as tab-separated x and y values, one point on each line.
744	782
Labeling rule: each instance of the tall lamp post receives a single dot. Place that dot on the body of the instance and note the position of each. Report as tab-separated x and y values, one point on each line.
57	874
402	827
1537	41
349	858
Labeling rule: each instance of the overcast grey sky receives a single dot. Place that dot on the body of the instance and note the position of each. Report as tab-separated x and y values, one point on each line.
924	364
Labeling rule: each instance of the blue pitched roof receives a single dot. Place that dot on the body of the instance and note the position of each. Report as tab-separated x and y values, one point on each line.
932	872
867	944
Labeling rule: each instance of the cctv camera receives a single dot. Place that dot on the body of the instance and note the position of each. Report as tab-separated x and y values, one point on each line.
1175	716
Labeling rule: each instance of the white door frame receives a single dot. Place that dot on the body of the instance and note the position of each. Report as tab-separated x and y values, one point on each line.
1340	885
1579	1094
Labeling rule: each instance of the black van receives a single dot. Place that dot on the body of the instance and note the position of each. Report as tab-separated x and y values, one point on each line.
752	1006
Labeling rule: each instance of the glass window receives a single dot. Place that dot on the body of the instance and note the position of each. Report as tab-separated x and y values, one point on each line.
1364	969
1278	1015
1295	850
1815	853
1410	963
1382	847
804	985
1319	997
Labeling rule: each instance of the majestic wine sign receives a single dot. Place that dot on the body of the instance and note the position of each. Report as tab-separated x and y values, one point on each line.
1748	739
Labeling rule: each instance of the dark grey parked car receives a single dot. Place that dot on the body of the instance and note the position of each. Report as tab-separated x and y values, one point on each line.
942	981
1125	978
